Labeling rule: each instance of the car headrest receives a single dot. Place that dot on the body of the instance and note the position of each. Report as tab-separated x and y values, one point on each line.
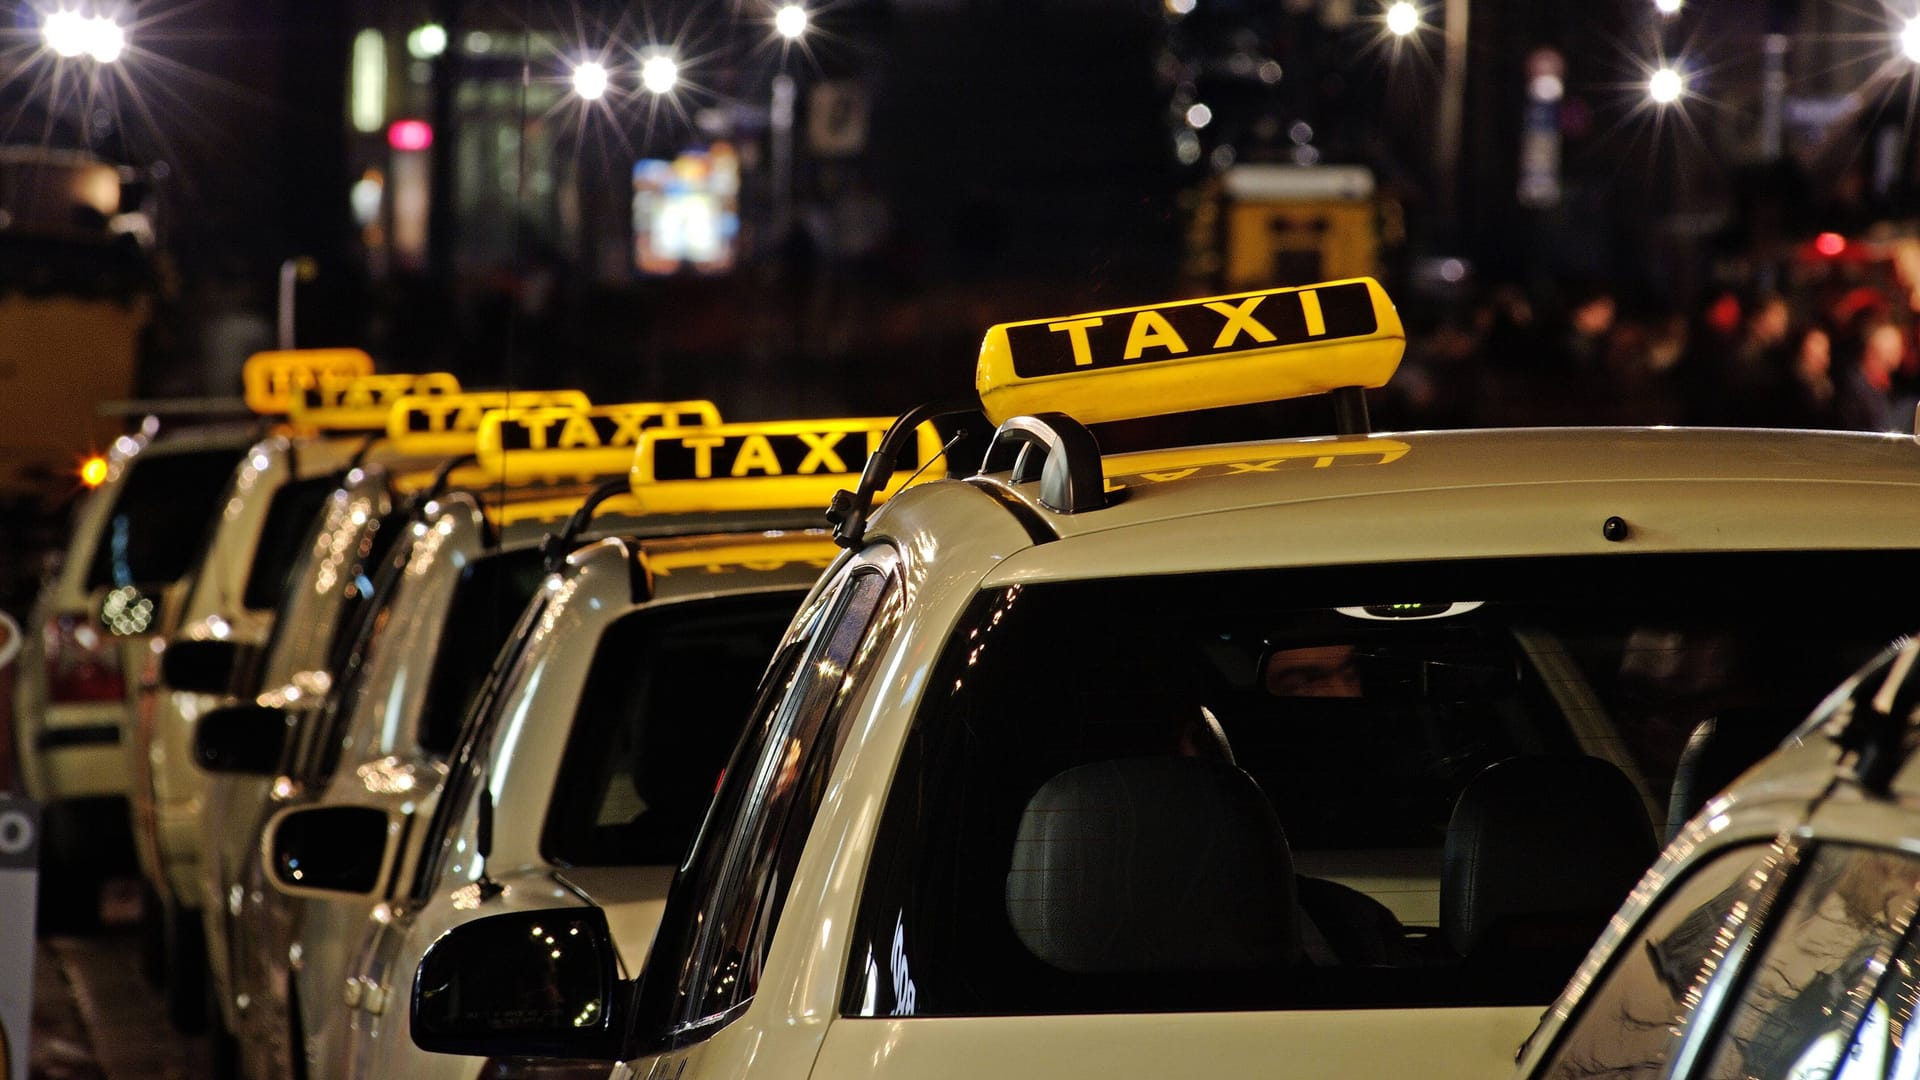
1719	750
1540	851
1152	864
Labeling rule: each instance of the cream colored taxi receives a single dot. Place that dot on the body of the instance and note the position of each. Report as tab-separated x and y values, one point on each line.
585	774
132	545
240	747
209	643
1318	756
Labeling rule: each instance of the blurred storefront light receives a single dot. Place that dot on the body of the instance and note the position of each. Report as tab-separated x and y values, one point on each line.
1402	18
790	21
590	80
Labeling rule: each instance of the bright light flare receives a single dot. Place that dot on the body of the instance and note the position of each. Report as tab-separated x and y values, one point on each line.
1667	7
93	471
70	35
1402	18
1910	40
590	80
659	74
790	21
1665	86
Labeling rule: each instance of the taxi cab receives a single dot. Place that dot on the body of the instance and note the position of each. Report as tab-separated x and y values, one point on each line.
447	599
1302	756
331	582
208	643
132	544
583	776
1774	937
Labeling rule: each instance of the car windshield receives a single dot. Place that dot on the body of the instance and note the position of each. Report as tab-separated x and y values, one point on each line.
160	517
1363	787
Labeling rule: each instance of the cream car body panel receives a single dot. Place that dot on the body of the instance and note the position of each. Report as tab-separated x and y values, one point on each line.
168	787
294	675
527	741
1437	496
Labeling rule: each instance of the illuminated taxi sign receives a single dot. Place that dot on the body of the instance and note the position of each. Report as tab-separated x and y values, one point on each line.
427	424
271	380
362	402
783	464
552	442
1193	354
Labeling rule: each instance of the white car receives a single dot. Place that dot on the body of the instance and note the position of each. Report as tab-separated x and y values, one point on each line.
1304	756
133	544
600	745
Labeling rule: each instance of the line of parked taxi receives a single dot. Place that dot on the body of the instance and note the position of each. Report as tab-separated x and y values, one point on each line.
483	733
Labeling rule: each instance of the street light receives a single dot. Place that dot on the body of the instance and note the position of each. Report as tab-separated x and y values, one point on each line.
1665	86
1402	18
590	80
659	74
70	34
790	21
1667	7
1910	40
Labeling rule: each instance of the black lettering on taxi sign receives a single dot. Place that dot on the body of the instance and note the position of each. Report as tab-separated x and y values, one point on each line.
1193	328
569	429
711	455
378	392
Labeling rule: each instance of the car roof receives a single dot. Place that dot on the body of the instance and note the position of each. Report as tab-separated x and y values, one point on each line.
1463	494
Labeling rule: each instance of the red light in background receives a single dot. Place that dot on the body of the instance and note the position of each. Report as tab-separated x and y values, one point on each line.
410	135
1829	244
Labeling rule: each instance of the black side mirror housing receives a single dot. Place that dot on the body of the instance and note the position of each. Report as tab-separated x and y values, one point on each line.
201	667
331	852
247	740
523	984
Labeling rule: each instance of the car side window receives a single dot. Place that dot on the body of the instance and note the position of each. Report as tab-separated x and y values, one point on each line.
768	798
1626	1025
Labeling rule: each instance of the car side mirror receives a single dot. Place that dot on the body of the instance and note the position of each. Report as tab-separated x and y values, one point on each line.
200	667
523	984
331	852
247	740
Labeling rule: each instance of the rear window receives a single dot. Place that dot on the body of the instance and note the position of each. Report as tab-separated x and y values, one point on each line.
1359	787
492	593
669	691
290	519
160	517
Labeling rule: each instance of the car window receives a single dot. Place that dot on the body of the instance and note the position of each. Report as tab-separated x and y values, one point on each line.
1823	997
160	517
726	902
289	520
1629	1024
487	603
1377	737
662	707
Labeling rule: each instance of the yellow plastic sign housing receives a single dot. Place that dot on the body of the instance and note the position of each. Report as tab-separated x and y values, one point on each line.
362	402
526	445
1193	354
426	425
271	380
785	464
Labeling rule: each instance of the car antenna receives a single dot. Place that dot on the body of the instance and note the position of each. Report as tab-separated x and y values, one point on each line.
849	509
556	545
483	842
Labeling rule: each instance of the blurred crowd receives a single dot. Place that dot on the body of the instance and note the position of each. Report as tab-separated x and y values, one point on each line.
1828	357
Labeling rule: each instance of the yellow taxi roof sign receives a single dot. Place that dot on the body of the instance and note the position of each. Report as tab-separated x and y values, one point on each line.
361	402
424	425
558	443
1193	354
270	380
784	464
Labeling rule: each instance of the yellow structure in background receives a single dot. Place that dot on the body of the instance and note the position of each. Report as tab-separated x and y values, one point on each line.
1291	224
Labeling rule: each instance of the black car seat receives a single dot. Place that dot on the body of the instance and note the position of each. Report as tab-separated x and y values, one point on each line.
1540	852
1719	750
1145	865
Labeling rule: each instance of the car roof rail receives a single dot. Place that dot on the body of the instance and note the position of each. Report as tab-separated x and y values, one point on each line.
1056	450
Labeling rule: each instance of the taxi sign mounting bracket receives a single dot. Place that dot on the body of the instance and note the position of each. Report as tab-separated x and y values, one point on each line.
1350	411
1056	450
849	509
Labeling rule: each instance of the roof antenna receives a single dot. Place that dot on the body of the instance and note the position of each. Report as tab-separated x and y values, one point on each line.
849	509
556	545
483	842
